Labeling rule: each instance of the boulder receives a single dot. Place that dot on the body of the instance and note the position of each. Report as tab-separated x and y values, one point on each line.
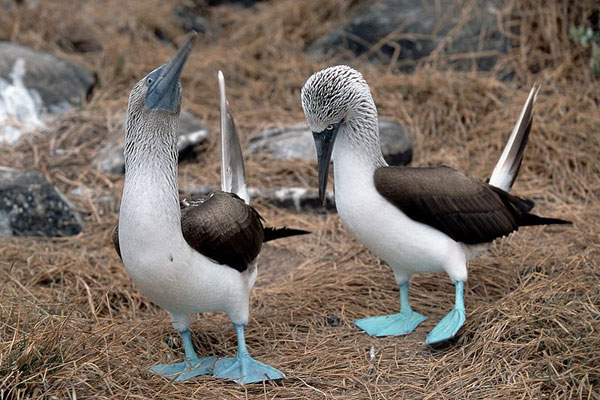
110	159
296	142
290	142
31	206
35	86
296	199
395	143
413	29
105	201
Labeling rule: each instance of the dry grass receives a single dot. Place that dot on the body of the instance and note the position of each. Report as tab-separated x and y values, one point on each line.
72	325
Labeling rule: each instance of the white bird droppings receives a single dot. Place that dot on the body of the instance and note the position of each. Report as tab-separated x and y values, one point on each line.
21	109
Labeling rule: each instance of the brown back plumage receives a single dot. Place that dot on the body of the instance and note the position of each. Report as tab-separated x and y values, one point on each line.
222	227
466	209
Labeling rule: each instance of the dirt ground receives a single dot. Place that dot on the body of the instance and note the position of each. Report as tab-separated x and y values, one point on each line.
72	325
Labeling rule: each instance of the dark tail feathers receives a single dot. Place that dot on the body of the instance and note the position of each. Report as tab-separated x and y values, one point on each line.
532	219
522	208
278	233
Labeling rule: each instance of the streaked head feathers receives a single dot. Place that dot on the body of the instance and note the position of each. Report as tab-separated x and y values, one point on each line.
333	95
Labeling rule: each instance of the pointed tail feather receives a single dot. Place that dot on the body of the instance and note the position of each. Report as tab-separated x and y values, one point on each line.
278	233
532	219
506	170
233	176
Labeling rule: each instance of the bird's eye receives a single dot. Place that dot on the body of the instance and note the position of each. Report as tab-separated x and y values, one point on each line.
149	81
329	127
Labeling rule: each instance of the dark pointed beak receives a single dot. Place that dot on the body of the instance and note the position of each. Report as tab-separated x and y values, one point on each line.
164	92
324	142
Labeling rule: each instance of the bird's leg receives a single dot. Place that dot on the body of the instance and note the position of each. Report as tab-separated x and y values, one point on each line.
451	323
402	323
404	302
193	365
243	368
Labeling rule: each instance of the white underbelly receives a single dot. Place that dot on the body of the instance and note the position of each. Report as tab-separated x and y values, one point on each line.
406	245
182	281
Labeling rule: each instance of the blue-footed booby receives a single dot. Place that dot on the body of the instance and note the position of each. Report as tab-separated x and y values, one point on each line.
429	219
198	254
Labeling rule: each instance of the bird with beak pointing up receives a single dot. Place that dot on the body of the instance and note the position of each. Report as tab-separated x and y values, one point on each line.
429	219
198	254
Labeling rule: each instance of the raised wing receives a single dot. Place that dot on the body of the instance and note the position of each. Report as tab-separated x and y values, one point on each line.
506	170
466	209
233	177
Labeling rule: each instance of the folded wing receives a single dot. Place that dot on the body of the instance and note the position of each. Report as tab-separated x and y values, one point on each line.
222	227
464	208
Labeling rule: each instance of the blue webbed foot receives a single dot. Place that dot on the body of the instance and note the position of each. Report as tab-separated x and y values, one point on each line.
449	325
183	371
244	369
402	323
191	367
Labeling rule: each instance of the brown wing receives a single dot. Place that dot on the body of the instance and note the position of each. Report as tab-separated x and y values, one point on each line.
466	209
223	228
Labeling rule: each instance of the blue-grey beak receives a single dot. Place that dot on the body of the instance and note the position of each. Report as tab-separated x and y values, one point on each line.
324	142
164	92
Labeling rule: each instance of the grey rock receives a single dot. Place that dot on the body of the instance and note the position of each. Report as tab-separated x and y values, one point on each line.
296	142
290	142
35	86
416	28
31	206
105	201
110	159
60	83
296	199
395	143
